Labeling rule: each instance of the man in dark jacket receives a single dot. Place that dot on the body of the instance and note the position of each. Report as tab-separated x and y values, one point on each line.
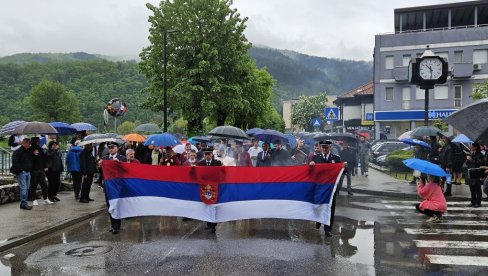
22	160
327	157
264	157
280	156
348	155
208	160
113	154
54	164
38	172
88	167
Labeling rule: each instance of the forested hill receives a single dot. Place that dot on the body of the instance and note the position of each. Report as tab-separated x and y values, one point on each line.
299	74
95	79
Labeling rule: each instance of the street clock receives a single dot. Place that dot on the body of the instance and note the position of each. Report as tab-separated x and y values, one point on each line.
428	70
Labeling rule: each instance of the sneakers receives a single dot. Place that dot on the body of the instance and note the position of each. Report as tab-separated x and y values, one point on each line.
35	203
434	219
47	201
26	207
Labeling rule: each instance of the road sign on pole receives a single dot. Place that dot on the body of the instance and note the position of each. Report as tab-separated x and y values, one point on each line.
316	122
332	114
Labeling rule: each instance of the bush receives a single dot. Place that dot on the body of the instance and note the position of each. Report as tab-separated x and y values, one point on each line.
395	159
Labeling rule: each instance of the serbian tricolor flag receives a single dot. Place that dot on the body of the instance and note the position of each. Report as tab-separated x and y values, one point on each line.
218	194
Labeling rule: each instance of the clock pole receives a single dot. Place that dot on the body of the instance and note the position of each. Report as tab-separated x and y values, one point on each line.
426	111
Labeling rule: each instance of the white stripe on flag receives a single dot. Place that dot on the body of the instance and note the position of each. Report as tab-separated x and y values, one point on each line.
446	222
417	214
161	206
452	244
458	260
388	206
412	231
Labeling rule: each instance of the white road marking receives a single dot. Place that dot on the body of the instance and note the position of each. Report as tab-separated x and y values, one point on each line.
412	231
413	202
458	260
452	244
446	222
458	215
406	207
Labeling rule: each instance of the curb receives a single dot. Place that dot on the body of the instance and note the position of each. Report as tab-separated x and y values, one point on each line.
49	230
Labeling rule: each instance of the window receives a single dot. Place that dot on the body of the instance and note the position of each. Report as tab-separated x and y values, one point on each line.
480	56
458	96
443	55
441	92
458	56
389	62
406	60
389	94
406	98
419	94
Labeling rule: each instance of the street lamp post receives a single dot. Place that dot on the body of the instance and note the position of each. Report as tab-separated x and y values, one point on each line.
165	79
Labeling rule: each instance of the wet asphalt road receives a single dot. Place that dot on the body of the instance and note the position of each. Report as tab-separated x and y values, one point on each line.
371	237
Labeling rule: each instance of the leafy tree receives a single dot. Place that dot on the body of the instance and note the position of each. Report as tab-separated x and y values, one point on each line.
308	108
440	124
209	70
126	127
480	90
51	102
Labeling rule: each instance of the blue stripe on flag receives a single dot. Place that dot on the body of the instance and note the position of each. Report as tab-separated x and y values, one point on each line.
300	191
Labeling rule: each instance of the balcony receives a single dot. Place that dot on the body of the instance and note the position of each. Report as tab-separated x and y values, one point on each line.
400	73
462	70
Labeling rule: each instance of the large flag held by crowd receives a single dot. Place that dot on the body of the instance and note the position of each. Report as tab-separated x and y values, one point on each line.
218	194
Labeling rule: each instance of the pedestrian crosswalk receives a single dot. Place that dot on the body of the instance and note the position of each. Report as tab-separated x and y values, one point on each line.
460	239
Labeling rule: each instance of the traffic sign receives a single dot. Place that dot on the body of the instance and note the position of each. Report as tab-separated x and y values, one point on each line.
316	122
369	117
332	113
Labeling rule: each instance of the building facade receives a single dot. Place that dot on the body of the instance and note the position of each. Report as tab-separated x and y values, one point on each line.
356	108
457	32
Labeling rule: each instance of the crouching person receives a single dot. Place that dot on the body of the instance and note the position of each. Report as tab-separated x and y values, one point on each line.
434	203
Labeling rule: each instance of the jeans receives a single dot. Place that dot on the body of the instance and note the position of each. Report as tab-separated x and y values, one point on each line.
363	160
24	182
347	173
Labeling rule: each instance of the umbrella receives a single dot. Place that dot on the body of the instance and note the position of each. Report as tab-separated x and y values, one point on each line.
98	141
84	127
425	131
95	136
204	139
472	121
181	148
229	132
134	137
63	128
161	140
461	138
253	131
35	128
112	135
364	134
416	142
270	136
292	141
9	127
149	127
425	167
405	135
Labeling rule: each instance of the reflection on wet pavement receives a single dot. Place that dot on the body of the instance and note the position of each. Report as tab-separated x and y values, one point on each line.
368	239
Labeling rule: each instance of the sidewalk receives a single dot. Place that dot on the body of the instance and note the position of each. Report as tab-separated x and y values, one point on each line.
19	226
381	184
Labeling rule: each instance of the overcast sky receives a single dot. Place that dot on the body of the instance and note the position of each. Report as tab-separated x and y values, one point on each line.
340	29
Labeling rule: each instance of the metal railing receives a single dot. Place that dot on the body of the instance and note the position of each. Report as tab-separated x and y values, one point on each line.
6	161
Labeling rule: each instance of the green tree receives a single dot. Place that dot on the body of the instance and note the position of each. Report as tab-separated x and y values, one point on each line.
126	127
209	70
51	102
308	108
480	90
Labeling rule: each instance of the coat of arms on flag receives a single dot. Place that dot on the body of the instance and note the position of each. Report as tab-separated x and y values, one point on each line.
208	193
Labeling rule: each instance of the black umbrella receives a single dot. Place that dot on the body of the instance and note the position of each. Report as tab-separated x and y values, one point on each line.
229	132
149	127
425	131
472	121
35	128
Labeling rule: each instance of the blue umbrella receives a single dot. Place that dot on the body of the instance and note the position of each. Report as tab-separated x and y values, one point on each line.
270	136
63	128
84	127
9	128
461	138
253	131
161	140
425	167
292	141
204	139
416	142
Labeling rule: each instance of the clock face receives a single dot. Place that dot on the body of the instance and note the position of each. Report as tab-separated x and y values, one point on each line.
430	69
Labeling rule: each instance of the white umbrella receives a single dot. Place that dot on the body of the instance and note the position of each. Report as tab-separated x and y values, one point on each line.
405	135
181	148
97	141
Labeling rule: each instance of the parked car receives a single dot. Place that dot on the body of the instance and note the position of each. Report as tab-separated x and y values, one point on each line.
381	160
384	149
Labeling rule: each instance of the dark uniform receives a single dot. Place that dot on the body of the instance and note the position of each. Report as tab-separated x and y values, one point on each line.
115	223
329	158
211	162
